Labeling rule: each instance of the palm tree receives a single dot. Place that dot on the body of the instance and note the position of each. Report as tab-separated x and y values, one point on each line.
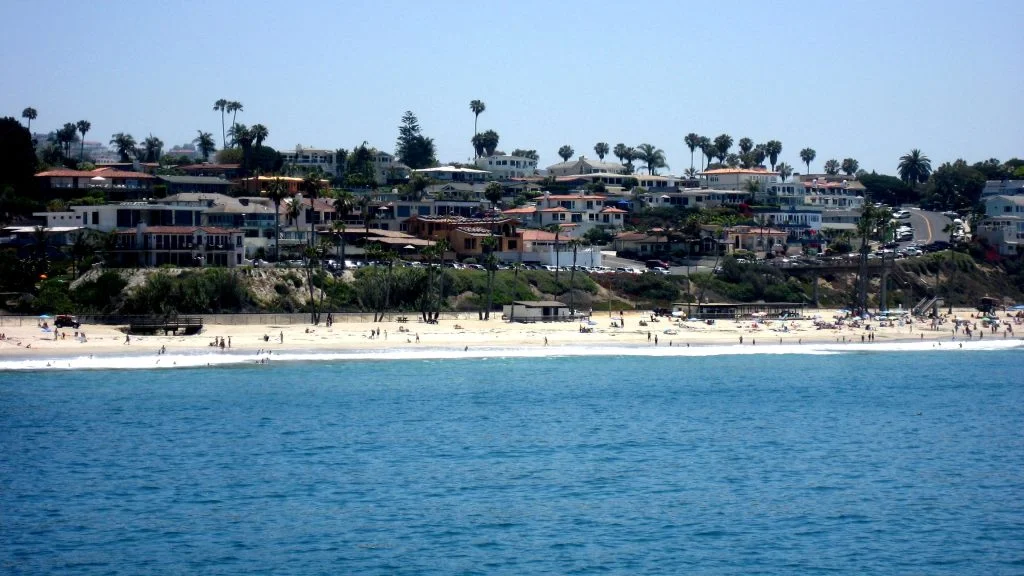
490	262
478	107
575	244
652	156
707	147
478	144
83	127
557	229
233	108
773	148
566	152
690	173
124	144
746	145
204	142
832	167
620	151
152	146
870	218
601	149
785	171
807	156
293	209
489	139
692	141
850	166
722	143
259	133
276	192
66	136
914	168
312	184
222	106
344	202
29	114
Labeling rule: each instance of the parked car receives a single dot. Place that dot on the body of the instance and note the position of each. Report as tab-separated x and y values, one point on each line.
66	320
901	214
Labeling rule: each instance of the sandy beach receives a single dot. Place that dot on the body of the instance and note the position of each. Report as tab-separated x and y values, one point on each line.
29	341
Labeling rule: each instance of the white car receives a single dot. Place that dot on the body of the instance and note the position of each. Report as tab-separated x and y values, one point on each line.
901	214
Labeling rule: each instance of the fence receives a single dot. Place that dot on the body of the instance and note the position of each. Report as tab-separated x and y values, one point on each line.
246	319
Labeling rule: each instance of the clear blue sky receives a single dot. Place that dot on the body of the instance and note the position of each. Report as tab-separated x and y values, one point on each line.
869	79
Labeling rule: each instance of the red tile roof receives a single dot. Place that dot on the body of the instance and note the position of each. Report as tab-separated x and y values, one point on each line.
104	173
537	235
613	210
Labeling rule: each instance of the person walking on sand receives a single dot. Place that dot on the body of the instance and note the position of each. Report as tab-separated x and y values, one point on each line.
281	336
127	339
229	341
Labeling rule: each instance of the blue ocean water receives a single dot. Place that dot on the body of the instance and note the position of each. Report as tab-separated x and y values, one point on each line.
873	462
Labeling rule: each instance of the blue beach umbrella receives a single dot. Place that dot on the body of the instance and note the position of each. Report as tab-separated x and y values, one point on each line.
45	316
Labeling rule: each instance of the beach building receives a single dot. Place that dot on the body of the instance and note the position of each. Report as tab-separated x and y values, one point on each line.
757	239
539	311
466	235
201	184
177	245
1001	205
308	159
454	174
1003	188
115	184
1004	233
226	171
694	198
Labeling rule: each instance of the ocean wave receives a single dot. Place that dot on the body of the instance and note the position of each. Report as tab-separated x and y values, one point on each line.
208	359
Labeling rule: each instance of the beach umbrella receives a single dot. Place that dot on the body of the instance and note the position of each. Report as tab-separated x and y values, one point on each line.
45	316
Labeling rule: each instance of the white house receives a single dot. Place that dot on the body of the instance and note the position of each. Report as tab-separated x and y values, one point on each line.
311	158
453	174
1006	233
694	198
1000	205
1003	187
505	166
737	178
539	311
584	166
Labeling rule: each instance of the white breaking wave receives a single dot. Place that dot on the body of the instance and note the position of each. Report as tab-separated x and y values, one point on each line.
205	359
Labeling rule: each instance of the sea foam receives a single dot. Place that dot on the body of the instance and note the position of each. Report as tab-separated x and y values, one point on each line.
211	359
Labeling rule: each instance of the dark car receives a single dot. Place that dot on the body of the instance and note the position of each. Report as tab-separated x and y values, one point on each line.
66	320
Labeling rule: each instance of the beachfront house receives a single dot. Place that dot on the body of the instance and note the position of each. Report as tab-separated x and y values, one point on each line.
539	311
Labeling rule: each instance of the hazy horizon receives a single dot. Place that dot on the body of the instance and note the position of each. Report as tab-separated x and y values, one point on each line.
866	80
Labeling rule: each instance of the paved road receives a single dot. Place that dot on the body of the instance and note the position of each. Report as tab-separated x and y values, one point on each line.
928	226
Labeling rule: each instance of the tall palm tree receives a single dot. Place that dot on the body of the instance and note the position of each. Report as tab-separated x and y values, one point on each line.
575	244
706	147
807	156
652	156
83	127
746	145
557	229
152	146
478	107
312	185
66	136
233	108
914	168
222	107
124	144
490	247
601	149
620	151
870	219
832	167
29	114
692	141
566	152
722	143
773	148
344	202
204	142
785	171
276	192
850	166
259	134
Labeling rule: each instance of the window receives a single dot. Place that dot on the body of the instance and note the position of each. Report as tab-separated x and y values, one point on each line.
469	243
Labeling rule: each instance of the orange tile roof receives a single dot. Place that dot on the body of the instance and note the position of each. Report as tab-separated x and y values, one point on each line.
104	173
537	235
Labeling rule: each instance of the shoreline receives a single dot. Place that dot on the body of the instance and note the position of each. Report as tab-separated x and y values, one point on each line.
467	338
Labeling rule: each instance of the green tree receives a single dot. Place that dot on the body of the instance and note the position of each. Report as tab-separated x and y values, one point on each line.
124	144
478	144
478	107
652	156
773	148
601	149
566	152
233	108
557	229
493	193
277	191
489	139
807	156
722	144
490	246
850	166
954	186
620	152
259	134
204	143
914	168
574	244
785	171
531	154
746	145
152	148
413	148
312	185
29	114
707	151
17	170
832	167
67	136
692	141
221	106
83	127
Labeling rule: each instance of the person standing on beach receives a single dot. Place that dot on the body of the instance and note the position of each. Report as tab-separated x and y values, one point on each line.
281	336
